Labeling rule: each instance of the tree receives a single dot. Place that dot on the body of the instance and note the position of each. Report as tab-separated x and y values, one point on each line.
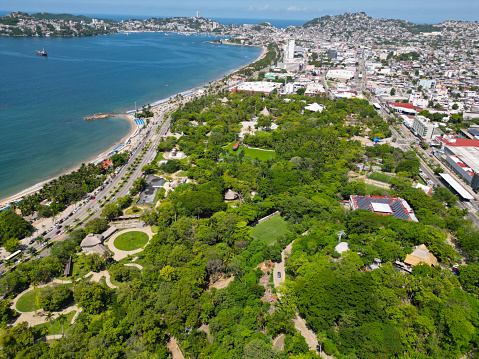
62	318
11	244
137	186
55	298
393	91
6	313
14	340
13	225
148	169
200	203
301	91
111	210
50	319
96	225
444	195
92	297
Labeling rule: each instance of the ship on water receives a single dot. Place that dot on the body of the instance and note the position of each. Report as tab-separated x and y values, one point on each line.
42	53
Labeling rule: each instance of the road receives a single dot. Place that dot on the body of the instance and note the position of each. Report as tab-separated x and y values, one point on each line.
91	207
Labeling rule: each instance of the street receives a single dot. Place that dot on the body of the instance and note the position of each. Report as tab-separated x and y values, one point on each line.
405	140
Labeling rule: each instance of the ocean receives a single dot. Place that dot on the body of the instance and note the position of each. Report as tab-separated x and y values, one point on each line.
43	101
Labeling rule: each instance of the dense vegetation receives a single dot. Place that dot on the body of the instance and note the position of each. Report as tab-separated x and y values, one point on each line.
57	194
355	312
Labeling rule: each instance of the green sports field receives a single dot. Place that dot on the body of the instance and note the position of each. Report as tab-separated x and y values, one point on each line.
381	177
269	230
253	153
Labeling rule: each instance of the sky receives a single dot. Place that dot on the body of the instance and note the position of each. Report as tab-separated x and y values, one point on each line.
417	11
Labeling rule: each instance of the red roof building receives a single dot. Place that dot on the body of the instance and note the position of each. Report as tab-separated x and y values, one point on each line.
406	108
458	142
106	163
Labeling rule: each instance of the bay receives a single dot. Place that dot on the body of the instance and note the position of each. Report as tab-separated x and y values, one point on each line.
43	101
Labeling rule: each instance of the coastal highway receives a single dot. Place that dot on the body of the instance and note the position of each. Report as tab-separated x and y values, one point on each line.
91	207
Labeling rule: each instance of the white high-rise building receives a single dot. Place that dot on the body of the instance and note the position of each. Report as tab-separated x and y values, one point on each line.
291	49
423	127
197	14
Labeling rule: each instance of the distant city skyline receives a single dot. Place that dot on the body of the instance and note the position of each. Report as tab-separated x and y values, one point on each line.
426	11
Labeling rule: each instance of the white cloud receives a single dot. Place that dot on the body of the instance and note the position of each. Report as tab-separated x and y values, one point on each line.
260	8
295	9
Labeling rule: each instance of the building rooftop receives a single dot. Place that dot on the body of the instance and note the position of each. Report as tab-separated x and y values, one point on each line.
458	142
395	206
456	186
421	255
91	240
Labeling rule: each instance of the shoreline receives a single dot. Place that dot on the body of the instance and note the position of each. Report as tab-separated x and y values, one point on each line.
191	93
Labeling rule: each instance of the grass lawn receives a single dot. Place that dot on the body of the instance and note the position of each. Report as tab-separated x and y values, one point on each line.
131	211
270	229
262	133
370	189
253	153
159	157
381	177
26	303
57	325
130	241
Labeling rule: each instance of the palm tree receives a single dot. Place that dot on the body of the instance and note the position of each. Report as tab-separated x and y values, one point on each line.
31	251
50	319
37	297
62	318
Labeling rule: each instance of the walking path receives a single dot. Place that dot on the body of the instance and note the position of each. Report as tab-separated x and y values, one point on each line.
118	254
140	267
96	277
33	318
278	342
279	267
174	349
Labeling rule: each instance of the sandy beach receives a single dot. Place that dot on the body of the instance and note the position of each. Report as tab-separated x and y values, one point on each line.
126	116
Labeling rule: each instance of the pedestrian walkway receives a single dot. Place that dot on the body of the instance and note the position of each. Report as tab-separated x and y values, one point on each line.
97	276
140	267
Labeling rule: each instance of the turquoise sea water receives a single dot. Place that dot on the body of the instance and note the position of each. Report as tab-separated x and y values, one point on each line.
43	101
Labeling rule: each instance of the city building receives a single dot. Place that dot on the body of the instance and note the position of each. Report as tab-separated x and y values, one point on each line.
332	54
290	53
423	127
462	154
260	86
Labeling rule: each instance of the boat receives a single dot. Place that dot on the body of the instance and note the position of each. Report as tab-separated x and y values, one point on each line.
236	145
42	53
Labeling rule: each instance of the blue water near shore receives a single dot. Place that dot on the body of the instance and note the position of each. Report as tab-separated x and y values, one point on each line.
43	101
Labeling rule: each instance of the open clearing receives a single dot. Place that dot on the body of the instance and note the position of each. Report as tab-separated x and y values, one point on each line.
269	230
